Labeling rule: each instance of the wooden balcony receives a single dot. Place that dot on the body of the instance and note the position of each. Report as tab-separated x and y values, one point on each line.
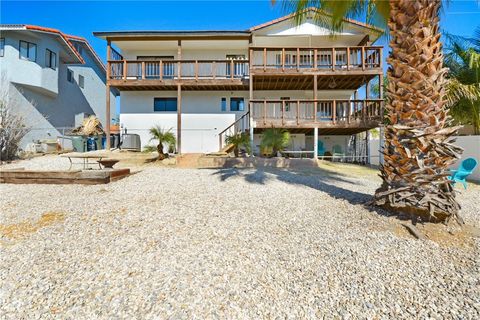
322	61
167	74
351	116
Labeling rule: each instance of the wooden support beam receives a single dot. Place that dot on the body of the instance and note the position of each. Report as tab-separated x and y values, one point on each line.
363	58
334	112
107	117
264	59
179	57
124	69
283	59
109	57
298	59
334	59
143	70
315	103
179	119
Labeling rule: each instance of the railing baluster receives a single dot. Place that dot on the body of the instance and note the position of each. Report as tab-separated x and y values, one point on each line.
363	58
214	69
283	59
264	59
124	69
315	62
298	59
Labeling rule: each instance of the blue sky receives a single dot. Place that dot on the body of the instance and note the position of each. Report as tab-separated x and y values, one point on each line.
81	18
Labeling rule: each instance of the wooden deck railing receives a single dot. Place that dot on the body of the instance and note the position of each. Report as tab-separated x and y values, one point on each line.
297	112
177	69
338	58
238	126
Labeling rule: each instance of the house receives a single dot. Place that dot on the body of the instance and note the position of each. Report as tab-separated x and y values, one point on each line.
53	80
205	85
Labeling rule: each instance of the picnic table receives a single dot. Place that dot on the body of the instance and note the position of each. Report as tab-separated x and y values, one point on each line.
84	157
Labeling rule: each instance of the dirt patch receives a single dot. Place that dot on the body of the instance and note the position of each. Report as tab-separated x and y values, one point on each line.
444	235
23	229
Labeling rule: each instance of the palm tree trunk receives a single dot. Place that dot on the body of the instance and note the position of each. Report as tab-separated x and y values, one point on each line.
418	149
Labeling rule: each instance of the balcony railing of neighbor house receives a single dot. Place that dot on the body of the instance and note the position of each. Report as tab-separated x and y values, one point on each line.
341	58
177	69
321	112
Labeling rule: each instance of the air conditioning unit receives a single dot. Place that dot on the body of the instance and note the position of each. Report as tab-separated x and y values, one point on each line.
131	142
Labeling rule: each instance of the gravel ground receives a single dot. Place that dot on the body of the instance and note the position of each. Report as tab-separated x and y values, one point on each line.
242	244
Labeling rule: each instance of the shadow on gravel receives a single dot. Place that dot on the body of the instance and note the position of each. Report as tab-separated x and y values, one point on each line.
321	180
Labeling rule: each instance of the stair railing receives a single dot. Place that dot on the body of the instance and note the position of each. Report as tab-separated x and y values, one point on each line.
238	126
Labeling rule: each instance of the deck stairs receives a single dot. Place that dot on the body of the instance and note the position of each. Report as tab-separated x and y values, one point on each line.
242	124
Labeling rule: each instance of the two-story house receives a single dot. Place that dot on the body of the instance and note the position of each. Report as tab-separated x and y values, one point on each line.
51	79
205	85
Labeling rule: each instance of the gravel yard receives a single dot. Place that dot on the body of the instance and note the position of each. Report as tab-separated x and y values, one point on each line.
230	243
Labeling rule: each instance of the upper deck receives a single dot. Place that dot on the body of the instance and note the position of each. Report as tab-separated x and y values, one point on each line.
355	65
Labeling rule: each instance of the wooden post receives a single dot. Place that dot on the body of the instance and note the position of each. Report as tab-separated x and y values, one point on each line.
161	70
250	82
298	59
196	70
348	58
363	58
283	59
334	59
232	71
381	58
214	69
179	57
179	119
355	95
124	69
109	50
315	59
143	70
264	59
315	103
107	117
315	143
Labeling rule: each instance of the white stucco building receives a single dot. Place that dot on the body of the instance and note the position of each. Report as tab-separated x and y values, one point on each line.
51	78
207	84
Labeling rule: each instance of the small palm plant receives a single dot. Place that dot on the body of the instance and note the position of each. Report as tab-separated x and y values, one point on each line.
275	139
163	137
238	140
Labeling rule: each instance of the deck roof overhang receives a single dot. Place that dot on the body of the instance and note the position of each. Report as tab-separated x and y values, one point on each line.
171	35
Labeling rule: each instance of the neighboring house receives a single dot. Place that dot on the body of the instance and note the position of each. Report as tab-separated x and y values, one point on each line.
207	84
53	79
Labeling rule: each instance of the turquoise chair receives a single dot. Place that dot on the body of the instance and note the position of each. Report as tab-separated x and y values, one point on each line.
466	168
320	149
337	152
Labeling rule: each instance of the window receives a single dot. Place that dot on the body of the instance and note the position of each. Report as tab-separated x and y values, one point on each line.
165	104
237	104
81	81
223	104
28	50
2	46
50	59
69	75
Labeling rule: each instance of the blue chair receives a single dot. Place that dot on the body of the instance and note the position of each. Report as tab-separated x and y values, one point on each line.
320	149
466	168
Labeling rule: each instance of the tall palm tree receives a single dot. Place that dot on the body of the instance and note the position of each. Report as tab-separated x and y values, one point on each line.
418	146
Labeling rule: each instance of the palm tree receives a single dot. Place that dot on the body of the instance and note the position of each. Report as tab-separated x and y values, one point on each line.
463	88
163	137
275	139
418	146
239	140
